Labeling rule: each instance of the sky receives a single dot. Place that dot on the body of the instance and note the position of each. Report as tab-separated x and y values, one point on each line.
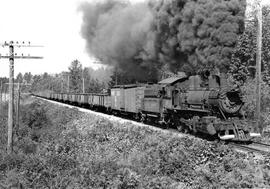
55	24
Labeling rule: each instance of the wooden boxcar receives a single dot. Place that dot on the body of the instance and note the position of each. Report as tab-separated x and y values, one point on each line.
117	99
127	98
133	99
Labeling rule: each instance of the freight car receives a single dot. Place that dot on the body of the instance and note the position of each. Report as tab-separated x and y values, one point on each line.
196	104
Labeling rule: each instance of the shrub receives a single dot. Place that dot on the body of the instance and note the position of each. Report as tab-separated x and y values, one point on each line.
250	101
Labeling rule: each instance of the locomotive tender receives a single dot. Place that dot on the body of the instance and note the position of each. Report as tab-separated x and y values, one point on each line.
194	104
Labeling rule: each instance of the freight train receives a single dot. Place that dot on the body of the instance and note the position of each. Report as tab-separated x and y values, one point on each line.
197	104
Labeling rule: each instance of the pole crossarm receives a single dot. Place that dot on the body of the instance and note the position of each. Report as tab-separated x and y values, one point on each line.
22	57
19	44
18	84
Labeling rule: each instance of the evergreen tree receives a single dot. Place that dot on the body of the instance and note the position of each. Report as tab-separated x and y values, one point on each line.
75	76
243	60
19	78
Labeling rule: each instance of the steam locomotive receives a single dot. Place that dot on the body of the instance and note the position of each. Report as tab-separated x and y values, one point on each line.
196	104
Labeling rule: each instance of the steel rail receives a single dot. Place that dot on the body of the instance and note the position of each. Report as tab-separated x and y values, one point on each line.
252	148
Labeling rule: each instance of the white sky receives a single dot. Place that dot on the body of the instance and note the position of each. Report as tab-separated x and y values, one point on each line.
52	23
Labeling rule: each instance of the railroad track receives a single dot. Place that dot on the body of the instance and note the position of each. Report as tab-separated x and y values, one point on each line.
256	147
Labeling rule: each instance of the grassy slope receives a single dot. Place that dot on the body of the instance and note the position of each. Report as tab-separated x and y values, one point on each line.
59	147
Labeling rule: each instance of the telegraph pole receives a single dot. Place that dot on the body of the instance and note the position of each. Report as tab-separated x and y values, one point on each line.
68	84
116	79
11	98
83	85
11	58
62	85
18	106
1	91
18	102
258	64
17	120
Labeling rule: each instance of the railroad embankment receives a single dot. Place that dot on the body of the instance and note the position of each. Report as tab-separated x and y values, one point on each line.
60	147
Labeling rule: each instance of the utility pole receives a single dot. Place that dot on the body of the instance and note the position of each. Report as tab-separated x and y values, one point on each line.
258	64
68	83
18	106
116	79
62	85
1	91
11	98
11	58
83	85
18	101
5	94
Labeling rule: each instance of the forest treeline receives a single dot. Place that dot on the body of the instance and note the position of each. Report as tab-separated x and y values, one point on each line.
95	80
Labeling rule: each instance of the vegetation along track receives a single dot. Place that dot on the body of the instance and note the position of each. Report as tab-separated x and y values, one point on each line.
256	147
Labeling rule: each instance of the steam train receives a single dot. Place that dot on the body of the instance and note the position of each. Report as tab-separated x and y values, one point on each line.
196	104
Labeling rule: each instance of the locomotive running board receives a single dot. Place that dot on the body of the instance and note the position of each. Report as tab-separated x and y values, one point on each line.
255	134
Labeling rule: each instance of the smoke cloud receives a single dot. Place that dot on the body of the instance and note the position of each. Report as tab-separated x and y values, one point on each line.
184	35
122	35
198	34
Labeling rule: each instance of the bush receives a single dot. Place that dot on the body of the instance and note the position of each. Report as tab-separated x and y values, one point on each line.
85	151
249	91
3	125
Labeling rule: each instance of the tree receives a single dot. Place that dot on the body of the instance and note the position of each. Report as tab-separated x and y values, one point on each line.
244	56
75	76
19	78
27	77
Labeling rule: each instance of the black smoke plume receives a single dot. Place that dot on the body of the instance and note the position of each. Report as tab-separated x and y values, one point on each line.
198	34
122	35
184	35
